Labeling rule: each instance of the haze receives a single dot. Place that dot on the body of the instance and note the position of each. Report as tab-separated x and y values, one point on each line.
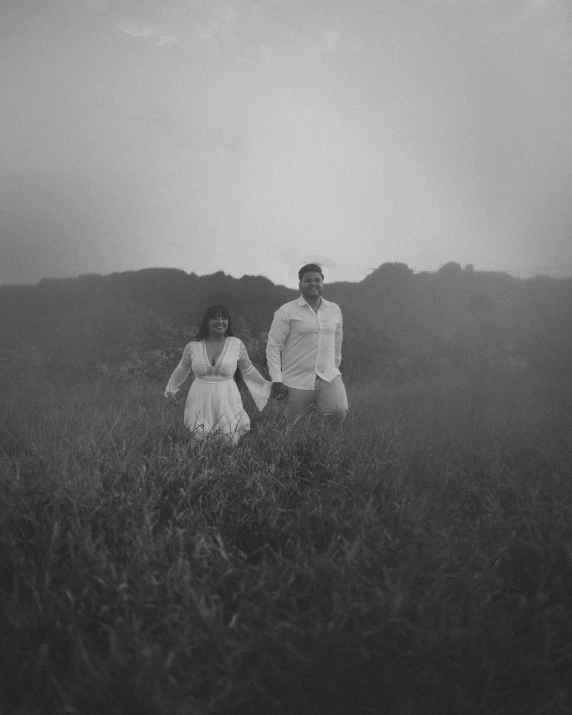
250	137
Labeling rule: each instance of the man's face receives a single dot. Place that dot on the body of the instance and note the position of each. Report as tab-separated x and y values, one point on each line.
311	285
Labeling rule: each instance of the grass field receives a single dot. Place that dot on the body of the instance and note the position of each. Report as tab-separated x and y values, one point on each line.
417	561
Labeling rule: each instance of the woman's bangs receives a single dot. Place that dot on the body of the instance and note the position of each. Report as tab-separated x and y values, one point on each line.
217	311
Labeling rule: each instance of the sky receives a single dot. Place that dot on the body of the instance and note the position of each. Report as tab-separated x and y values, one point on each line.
253	136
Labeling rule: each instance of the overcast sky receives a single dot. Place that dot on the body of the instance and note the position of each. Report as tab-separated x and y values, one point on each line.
252	136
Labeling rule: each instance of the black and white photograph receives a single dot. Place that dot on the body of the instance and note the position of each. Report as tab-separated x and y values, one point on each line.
285	357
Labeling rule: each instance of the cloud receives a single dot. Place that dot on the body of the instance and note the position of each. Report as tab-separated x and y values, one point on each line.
322	261
297	260
147	31
167	41
133	28
158	24
253	31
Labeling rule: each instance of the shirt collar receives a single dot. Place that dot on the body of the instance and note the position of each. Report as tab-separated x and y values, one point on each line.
302	301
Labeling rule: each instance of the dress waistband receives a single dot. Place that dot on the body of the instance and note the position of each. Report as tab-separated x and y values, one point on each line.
213	378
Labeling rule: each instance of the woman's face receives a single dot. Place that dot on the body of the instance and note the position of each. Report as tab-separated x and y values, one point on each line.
218	326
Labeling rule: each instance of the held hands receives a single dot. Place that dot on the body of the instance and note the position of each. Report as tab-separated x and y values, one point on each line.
278	391
172	398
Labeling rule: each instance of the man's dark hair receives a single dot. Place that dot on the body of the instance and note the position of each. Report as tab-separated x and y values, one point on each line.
310	268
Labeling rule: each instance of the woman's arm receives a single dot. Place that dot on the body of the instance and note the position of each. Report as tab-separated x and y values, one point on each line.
180	373
258	387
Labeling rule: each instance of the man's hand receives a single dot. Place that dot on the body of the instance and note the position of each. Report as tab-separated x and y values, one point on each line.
278	391
172	398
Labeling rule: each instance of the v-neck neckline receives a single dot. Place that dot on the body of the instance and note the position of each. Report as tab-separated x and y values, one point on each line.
209	363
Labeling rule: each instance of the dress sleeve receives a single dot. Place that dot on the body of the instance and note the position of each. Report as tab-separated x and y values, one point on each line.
258	387
181	372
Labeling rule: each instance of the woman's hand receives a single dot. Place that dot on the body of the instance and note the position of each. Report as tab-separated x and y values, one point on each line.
172	398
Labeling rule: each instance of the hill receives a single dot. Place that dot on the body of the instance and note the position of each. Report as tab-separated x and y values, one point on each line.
137	322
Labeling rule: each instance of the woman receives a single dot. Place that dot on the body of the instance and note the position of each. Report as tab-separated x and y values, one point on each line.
213	404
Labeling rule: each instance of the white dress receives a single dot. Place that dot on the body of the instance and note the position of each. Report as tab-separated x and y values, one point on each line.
213	404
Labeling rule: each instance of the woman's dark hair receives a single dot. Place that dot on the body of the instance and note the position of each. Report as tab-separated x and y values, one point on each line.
213	311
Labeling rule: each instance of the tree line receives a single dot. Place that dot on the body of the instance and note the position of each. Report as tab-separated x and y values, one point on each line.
397	324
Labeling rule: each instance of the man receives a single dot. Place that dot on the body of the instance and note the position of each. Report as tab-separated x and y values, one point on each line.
304	351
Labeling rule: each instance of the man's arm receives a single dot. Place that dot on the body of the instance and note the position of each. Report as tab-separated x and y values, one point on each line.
279	331
338	342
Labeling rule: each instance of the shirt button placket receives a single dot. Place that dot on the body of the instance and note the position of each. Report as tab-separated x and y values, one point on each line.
319	350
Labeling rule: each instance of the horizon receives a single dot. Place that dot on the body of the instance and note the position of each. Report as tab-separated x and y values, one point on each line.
468	268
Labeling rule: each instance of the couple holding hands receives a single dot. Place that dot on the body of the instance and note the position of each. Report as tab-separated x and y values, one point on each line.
303	355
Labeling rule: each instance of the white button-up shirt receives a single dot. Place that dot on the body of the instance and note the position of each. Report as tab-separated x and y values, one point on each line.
303	344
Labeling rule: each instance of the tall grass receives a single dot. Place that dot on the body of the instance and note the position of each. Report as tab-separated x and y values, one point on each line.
417	560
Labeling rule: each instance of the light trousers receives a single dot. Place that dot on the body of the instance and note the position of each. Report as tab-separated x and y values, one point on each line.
328	398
